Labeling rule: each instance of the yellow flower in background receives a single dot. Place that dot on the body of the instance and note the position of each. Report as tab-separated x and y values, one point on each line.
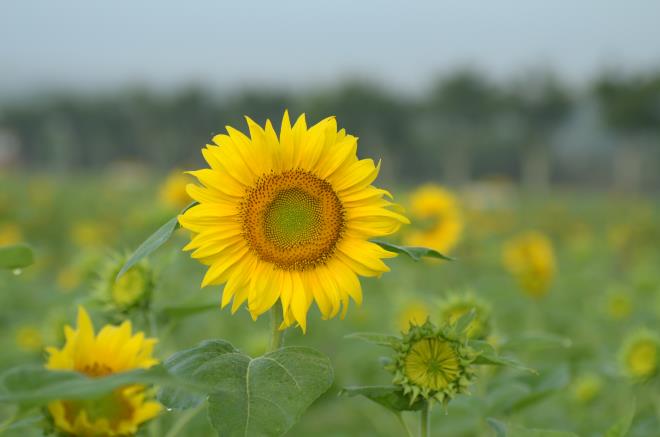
29	339
414	312
68	278
639	354
115	349
289	218
619	305
439	216
586	388
173	191
454	306
10	234
88	234
530	258
132	289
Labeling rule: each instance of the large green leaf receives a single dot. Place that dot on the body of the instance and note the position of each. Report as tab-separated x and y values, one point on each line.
622	426
35	385
263	396
16	256
157	239
194	365
374	338
416	253
389	396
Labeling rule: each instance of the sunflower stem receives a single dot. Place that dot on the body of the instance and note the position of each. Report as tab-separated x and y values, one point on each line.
276	334
403	423
425	421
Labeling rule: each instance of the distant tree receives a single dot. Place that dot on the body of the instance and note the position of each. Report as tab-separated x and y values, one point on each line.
461	108
631	107
539	103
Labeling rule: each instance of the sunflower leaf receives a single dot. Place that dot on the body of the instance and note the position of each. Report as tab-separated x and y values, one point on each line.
36	385
414	252
374	338
622	426
488	356
389	396
250	396
498	427
16	256
155	240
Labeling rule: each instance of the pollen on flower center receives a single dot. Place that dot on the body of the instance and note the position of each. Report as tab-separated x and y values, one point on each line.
292	219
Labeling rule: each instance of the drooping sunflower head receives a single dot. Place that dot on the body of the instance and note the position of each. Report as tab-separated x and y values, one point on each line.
639	355
437	216
433	363
530	258
455	306
132	289
288	217
115	349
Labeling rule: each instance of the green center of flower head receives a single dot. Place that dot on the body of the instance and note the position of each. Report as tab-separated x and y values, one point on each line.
292	218
432	363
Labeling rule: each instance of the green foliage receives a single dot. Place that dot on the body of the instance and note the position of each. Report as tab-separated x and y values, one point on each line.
488	356
416	253
389	396
502	430
16	256
35	385
250	396
622	426
374	338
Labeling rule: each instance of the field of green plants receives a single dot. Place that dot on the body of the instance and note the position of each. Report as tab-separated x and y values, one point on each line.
582	336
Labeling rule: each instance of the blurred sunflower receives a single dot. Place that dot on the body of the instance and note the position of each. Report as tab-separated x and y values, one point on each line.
439	216
530	258
586	388
132	289
454	306
115	349
10	234
639	354
89	234
414	312
618	305
29	338
173	191
289	218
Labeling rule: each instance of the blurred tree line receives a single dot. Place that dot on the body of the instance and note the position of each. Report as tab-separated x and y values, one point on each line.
534	129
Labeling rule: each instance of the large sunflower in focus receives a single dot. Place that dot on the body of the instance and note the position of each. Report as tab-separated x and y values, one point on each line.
289	218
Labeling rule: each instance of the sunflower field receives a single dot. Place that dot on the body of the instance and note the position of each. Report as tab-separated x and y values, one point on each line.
282	288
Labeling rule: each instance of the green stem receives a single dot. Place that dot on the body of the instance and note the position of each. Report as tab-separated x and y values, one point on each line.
276	334
403	423
425	421
184	419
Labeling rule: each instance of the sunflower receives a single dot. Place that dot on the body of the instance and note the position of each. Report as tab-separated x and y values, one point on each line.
530	258
133	289
173	191
289	218
440	218
115	349
454	306
433	363
640	355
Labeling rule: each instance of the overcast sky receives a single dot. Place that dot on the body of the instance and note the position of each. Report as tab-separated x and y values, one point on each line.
94	44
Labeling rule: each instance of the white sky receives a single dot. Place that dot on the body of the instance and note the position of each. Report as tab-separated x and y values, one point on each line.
94	44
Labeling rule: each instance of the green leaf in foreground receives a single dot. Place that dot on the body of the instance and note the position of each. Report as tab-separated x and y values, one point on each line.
374	338
16	256
389	396
622	426
416	253
35	385
250	396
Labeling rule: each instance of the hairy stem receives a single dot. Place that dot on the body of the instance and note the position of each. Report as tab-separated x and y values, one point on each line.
425	421
276	334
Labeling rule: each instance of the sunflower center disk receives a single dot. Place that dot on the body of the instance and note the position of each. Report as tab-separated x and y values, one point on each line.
432	363
292	219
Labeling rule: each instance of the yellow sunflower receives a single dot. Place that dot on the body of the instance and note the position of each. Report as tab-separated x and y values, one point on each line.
639	355
173	191
530	258
439	210
289	218
115	349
